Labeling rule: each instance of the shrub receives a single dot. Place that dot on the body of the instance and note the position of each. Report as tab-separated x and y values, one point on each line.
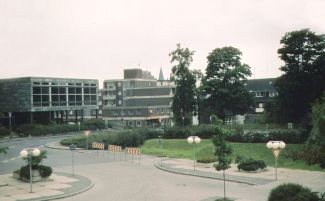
45	171
4	131
249	164
289	192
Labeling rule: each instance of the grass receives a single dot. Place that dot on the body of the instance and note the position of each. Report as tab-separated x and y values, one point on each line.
179	148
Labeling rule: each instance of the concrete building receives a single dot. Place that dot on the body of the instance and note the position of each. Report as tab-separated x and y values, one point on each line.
42	99
138	100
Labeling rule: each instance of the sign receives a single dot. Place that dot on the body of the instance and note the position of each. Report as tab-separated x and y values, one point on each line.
72	147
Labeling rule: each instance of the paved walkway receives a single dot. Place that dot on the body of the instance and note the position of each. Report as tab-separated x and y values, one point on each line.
59	185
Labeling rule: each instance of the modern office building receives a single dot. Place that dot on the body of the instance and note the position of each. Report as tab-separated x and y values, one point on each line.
42	99
138	100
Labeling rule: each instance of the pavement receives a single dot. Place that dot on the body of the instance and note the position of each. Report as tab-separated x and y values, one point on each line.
63	185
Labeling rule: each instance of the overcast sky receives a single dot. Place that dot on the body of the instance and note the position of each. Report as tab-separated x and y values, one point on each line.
99	38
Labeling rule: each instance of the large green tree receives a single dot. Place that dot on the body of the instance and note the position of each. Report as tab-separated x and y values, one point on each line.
303	81
223	83
184	100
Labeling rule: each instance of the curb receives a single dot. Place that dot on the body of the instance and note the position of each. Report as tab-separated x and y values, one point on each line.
65	195
202	176
43	137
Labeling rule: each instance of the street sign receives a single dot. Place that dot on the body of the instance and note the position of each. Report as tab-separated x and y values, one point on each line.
72	147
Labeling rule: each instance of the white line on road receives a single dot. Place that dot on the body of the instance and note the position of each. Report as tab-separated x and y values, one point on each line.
5	161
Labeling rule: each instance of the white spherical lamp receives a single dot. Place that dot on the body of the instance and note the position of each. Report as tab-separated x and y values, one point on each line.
190	140
36	152
197	139
24	153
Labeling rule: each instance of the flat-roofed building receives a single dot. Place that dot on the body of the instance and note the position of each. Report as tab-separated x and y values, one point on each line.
43	99
138	100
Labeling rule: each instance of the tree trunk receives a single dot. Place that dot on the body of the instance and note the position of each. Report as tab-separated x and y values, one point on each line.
224	185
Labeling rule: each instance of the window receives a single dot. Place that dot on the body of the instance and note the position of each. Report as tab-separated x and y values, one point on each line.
115	112
119	84
260	105
100	111
119	93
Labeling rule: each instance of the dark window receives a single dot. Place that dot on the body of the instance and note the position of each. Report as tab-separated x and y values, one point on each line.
72	98
93	98
45	90
55	90
45	83
86	90
62	90
87	98
78	90
72	90
93	85
78	84
55	98
78	98
36	83
93	90
37	98
36	90
45	98
63	98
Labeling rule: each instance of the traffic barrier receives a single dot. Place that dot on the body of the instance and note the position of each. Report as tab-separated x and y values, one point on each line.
98	146
133	151
115	148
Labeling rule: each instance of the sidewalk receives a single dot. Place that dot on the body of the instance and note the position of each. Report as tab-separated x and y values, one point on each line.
59	185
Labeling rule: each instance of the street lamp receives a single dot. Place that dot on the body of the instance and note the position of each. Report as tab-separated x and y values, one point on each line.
193	140
160	141
276	147
28	153
87	132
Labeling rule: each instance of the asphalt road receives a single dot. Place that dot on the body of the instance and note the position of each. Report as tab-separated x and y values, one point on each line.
120	180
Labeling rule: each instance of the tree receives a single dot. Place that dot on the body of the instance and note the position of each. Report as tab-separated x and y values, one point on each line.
315	149
185	98
223	83
223	151
303	81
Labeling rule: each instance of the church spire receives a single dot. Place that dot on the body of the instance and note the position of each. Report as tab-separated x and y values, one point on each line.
161	75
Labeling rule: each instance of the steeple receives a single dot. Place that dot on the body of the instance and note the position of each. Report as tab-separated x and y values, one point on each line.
161	75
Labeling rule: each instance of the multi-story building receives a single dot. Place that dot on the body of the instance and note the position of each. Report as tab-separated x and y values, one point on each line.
42	99
263	91
138	100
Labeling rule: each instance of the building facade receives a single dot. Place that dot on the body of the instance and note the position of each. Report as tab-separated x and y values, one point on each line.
138	100
42	99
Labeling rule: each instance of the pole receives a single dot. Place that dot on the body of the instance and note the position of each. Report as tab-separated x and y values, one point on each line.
30	173
10	135
276	168
72	162
87	143
194	154
224	185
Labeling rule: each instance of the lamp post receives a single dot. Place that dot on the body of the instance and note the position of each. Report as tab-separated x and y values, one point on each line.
276	147
79	125
160	141
87	132
193	140
10	135
28	153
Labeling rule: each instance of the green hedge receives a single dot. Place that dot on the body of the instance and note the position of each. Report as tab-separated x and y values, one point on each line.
291	136
290	192
40	129
4	131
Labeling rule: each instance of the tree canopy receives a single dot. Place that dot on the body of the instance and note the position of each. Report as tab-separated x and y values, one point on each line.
303	81
223	83
185	98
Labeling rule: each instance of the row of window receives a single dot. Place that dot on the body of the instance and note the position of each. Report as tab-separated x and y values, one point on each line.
63	83
63	90
139	112
266	94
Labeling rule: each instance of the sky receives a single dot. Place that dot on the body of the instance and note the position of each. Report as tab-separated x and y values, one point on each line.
97	39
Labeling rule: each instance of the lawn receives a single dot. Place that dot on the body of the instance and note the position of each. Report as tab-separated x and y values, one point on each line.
178	148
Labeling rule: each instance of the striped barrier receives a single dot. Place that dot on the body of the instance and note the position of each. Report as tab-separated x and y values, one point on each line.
98	146
115	148
133	151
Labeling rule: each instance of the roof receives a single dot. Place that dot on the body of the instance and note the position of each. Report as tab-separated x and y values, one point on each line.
266	84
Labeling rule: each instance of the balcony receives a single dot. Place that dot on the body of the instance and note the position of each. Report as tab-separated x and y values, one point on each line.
109	97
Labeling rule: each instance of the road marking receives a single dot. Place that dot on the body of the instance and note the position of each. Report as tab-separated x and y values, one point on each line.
5	161
14	158
11	147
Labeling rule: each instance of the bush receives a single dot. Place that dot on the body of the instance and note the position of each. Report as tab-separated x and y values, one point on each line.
249	164
45	171
292	136
4	131
289	192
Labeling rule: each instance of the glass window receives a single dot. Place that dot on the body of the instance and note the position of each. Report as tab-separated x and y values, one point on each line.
45	90
63	98
93	98
55	98
87	98
62	90
86	90
93	90
72	98
55	90
36	90
78	98
71	90
78	90
45	98
37	98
